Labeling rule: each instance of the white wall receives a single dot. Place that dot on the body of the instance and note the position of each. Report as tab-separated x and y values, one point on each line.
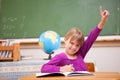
106	59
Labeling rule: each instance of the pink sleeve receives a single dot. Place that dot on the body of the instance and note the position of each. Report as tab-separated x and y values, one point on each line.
52	65
89	41
49	68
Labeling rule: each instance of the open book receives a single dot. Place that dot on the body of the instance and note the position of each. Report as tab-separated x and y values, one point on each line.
76	73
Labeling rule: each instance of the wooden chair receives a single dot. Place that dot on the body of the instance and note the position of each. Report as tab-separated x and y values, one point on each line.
91	67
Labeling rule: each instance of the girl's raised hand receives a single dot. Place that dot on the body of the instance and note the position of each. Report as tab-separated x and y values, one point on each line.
104	16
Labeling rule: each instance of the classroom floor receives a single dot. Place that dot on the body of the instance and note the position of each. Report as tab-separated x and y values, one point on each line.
14	70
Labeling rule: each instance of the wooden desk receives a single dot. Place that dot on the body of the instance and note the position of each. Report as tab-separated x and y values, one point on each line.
97	75
4	79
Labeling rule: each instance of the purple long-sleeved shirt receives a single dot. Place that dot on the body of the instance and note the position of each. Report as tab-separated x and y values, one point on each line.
79	65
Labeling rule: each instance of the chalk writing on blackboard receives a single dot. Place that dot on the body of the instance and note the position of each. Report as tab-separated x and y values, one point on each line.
10	26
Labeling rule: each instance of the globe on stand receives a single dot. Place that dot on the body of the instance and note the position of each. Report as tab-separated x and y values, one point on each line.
49	41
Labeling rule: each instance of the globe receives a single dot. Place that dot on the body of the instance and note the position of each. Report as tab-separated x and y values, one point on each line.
49	41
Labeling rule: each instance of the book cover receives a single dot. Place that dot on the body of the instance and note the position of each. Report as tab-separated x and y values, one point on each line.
76	73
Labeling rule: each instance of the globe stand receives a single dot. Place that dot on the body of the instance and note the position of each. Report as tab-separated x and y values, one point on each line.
49	56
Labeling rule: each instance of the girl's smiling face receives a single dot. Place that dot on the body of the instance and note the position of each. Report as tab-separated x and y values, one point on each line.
73	39
72	47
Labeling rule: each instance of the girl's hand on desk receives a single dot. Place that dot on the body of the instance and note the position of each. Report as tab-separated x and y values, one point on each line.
67	68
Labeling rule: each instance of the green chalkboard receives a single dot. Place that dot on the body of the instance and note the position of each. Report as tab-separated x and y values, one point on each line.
29	18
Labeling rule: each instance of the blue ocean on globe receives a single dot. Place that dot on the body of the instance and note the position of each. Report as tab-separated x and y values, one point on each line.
49	41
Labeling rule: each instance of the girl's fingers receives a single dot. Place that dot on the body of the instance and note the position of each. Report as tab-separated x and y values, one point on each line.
72	68
107	13
104	14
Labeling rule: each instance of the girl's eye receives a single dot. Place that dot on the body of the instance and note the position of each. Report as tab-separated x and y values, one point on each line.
77	45
71	43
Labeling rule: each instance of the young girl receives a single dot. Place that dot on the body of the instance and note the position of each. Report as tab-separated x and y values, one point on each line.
75	49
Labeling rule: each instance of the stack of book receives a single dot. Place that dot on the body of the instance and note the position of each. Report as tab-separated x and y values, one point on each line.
6	53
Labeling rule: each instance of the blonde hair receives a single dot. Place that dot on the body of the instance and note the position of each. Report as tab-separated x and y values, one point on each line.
75	34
